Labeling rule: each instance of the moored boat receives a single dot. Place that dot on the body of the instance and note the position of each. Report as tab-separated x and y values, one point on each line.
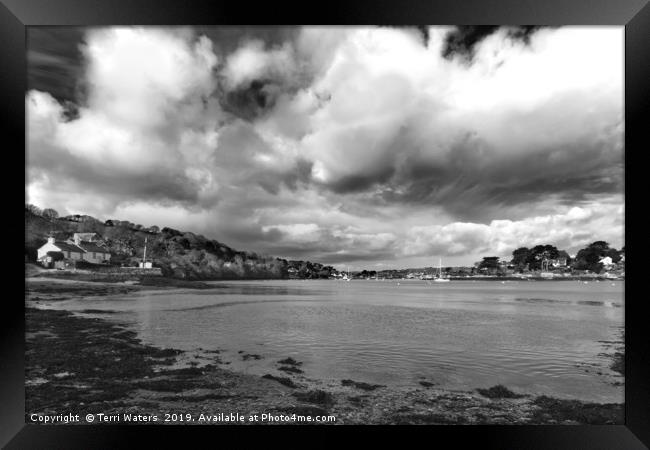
439	278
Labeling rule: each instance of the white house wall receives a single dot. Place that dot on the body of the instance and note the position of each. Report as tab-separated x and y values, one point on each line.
47	248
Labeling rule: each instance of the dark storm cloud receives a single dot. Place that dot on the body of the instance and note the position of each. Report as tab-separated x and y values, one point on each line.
485	200
54	61
473	180
228	38
361	182
523	32
469	187
251	100
77	174
425	34
300	174
256	75
464	38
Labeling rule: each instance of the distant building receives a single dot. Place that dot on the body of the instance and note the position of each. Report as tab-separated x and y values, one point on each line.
93	252
69	251
562	259
558	262
606	262
74	249
78	218
89	237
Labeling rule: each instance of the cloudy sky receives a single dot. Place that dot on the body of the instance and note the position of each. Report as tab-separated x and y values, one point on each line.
368	147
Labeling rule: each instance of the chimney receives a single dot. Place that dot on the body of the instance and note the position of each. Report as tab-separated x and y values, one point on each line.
50	240
77	239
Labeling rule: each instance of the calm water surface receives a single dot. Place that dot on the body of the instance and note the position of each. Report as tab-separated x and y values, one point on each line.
535	337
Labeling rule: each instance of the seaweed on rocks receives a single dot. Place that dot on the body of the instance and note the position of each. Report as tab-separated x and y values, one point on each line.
317	396
290	362
498	391
282	380
361	385
290	369
554	410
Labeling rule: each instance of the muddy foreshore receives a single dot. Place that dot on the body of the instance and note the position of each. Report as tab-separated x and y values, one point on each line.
80	364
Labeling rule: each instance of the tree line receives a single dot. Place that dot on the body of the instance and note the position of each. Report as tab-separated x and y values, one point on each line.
542	257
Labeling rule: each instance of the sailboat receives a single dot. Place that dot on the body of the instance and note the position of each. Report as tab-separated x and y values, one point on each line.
347	276
439	278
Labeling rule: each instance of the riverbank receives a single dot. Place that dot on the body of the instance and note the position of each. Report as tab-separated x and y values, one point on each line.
141	277
86	365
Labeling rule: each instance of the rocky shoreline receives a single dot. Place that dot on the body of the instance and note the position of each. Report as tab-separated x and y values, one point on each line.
77	363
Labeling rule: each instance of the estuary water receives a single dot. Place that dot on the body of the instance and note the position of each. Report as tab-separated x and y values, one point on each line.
535	337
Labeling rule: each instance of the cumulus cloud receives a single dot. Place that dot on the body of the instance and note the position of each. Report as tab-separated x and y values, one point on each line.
570	230
146	128
252	62
344	144
522	120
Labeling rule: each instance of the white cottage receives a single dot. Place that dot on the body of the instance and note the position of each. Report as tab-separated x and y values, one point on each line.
74	250
69	251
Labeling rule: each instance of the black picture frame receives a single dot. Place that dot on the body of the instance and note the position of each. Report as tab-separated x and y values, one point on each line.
16	15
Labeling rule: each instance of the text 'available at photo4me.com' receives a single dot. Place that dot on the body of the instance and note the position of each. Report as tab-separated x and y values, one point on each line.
206	418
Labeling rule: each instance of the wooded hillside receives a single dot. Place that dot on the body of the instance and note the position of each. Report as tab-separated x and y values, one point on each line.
179	254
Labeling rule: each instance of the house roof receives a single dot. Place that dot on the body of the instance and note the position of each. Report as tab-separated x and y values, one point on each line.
67	247
92	247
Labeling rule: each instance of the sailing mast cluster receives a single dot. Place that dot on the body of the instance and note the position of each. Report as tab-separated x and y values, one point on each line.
440	278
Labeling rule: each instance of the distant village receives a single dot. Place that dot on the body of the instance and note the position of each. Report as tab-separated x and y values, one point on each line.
597	260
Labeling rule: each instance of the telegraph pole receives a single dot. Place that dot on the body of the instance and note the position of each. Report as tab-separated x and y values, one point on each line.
144	256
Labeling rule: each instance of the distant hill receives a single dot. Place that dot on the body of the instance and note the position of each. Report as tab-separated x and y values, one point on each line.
179	254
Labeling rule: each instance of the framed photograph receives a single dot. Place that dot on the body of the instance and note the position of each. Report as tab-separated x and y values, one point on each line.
388	215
